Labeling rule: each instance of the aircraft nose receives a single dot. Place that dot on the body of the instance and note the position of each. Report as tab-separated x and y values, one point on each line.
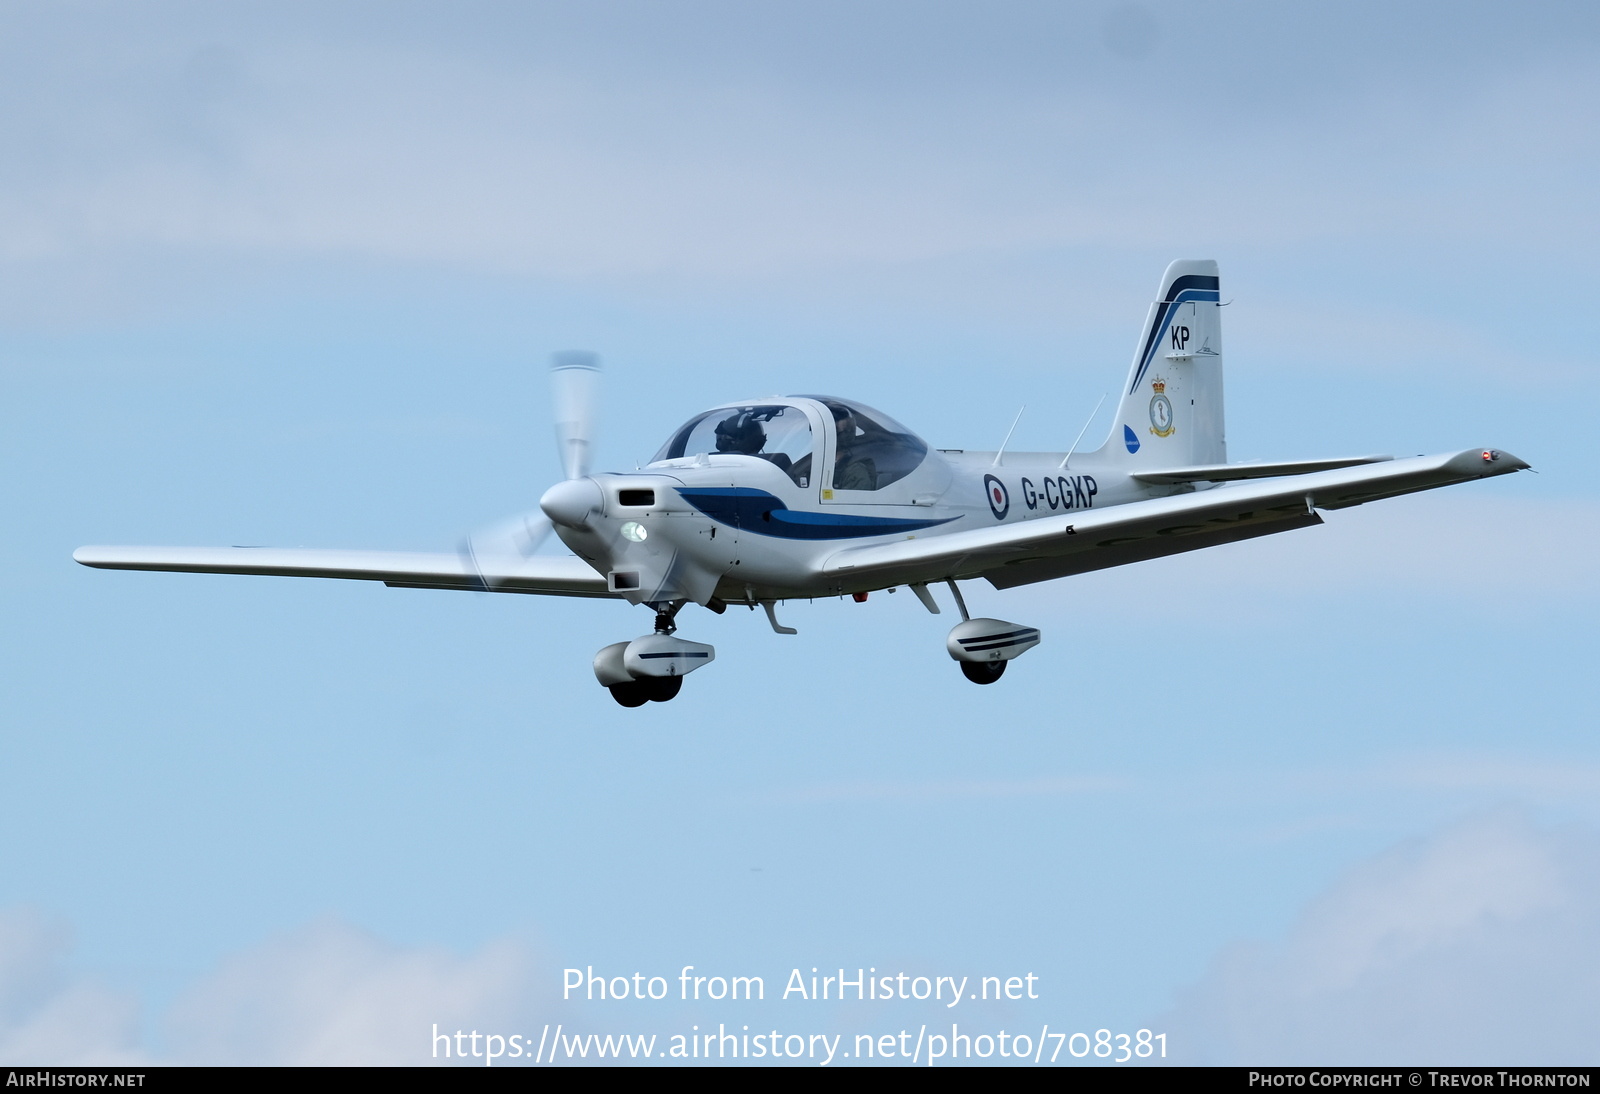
571	502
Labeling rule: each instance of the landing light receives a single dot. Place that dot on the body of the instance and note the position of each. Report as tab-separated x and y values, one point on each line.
635	531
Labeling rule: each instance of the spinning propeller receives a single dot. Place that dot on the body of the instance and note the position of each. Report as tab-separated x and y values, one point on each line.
574	388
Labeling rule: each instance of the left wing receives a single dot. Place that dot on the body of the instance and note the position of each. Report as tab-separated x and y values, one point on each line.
549	575
1039	550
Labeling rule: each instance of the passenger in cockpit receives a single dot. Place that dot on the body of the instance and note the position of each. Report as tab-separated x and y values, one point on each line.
851	470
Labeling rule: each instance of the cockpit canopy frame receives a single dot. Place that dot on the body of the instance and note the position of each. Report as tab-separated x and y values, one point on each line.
868	449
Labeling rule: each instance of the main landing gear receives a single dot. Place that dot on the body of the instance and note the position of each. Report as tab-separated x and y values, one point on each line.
982	646
983	672
651	669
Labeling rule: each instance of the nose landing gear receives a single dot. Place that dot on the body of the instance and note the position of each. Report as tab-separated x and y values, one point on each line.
650	689
651	669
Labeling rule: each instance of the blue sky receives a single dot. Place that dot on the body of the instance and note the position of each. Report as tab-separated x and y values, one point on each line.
291	275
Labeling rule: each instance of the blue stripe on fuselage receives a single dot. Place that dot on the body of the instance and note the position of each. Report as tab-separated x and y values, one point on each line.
765	514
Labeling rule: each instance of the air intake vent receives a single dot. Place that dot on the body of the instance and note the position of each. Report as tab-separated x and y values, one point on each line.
636	497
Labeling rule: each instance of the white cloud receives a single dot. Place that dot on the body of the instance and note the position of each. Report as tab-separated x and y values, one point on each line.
48	1016
330	994
422	150
1478	945
327	994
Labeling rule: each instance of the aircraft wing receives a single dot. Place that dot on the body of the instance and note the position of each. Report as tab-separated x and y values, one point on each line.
1229	472
1050	547
549	575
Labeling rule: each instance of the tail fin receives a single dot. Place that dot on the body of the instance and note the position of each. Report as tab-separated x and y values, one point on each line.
1171	409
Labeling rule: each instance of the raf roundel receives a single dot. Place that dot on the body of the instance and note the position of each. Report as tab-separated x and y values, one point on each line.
999	499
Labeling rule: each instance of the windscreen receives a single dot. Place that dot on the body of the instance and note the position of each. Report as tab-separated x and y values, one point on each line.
781	435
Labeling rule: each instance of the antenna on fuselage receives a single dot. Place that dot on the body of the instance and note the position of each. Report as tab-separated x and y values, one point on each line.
1010	431
1081	432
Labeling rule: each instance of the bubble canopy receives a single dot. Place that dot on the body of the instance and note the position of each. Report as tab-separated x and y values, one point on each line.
871	449
779	433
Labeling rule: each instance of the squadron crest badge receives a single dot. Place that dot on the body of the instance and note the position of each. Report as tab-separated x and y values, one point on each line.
1161	423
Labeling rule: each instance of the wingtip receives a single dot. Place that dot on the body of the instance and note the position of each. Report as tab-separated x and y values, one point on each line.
1495	461
105	558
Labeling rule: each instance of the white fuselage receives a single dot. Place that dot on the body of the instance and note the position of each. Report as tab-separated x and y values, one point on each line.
738	528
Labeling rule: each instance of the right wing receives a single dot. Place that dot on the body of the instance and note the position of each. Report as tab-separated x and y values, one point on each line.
551	575
1050	547
1232	472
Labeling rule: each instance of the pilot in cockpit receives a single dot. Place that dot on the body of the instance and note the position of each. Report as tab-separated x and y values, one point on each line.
740	435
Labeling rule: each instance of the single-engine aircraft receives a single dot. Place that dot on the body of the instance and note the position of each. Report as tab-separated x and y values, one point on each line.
766	500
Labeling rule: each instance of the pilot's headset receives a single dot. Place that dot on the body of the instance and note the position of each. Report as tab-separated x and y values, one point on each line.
740	434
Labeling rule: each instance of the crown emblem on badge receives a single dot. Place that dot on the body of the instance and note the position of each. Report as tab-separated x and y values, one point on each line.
1159	386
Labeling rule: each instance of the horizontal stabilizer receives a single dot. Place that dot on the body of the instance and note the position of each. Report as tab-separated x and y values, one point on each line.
1232	472
549	575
